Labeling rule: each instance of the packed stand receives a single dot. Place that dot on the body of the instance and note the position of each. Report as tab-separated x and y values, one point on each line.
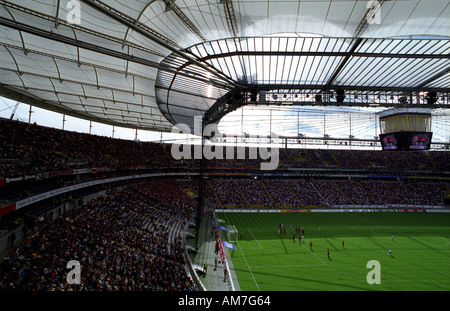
228	193
116	251
329	191
382	194
255	193
307	193
355	193
346	159
29	148
320	193
281	193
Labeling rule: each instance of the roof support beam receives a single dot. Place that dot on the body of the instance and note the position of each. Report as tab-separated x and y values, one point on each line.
58	5
21	27
435	77
343	63
74	42
371	16
230	15
363	88
152	37
329	103
323	53
170	5
25	51
56	107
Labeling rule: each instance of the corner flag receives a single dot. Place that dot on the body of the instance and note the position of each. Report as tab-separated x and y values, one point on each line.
223	228
229	245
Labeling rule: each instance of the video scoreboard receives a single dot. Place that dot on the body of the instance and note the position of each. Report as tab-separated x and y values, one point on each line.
406	141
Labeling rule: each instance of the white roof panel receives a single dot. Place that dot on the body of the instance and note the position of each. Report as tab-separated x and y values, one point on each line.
151	60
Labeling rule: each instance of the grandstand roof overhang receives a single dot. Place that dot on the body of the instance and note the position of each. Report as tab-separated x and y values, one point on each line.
151	64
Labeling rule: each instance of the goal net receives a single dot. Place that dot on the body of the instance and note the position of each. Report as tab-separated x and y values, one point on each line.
232	233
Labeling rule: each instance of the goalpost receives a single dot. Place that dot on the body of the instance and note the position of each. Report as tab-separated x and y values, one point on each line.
232	233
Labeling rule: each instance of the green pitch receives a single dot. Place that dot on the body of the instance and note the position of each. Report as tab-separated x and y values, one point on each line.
265	261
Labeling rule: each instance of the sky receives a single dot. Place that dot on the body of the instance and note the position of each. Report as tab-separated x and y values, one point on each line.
337	122
55	120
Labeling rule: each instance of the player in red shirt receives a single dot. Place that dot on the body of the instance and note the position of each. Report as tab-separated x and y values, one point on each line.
310	245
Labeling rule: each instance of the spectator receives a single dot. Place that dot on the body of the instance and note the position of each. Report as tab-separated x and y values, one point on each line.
115	249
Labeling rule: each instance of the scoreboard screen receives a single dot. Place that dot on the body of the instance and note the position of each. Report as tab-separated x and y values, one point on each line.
406	141
421	141
389	142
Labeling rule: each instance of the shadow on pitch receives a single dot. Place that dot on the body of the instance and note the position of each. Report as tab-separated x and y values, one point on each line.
300	279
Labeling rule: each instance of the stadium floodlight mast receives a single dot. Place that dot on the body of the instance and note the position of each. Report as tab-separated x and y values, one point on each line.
213	151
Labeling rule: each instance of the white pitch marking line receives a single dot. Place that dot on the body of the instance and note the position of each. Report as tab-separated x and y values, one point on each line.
314	255
291	266
246	262
249	269
255	238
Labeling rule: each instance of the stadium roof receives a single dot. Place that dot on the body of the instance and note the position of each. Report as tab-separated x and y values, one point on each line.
149	64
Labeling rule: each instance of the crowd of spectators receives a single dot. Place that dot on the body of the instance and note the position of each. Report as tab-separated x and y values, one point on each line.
370	160
116	251
381	192
129	239
430	193
255	193
306	192
319	192
228	193
300	158
168	195
29	148
355	193
418	193
350	160
321	158
281	193
331	193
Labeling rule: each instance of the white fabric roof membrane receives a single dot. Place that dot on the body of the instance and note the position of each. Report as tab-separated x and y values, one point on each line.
149	64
